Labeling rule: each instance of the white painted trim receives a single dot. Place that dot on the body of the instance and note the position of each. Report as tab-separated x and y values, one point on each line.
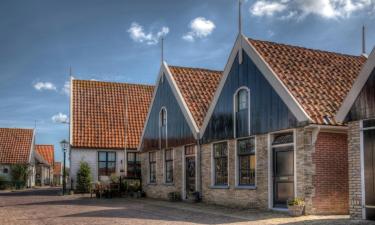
213	171
166	126
362	165
235	103
232	57
267	72
32	147
71	113
181	101
236	161
164	70
165	168
276	83
270	165
183	162
359	83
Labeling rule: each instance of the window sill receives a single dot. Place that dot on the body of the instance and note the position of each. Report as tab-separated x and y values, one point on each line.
219	186
246	187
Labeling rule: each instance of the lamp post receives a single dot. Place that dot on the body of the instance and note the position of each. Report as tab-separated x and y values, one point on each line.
64	146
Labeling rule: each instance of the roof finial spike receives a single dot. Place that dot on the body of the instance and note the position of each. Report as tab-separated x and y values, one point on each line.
239	17
363	40
70	72
162	49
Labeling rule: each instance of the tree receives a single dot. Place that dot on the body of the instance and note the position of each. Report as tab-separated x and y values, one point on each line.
83	177
20	174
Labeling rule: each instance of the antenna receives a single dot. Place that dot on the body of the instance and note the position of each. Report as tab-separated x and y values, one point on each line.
240	57
162	49
239	16
363	40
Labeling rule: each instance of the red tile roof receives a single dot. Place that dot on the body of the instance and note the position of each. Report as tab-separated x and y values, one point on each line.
98	113
57	169
47	152
319	80
15	145
197	87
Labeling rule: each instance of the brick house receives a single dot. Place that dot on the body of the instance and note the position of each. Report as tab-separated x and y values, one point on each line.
358	110
44	171
106	124
17	147
256	134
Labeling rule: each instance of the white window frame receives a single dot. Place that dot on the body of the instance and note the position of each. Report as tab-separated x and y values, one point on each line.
213	171
165	167
270	164
149	169
166	126
237	164
235	103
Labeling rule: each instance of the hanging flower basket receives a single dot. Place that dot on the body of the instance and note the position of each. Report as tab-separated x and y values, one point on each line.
296	207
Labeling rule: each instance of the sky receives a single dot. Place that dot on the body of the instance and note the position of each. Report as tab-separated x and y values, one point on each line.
119	40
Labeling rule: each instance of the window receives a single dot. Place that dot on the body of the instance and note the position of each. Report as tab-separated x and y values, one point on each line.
246	161
134	164
107	163
152	166
220	159
168	157
163	128
5	170
242	102
242	116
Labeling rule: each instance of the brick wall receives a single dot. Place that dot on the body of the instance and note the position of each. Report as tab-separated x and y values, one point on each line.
234	196
354	155
160	190
330	179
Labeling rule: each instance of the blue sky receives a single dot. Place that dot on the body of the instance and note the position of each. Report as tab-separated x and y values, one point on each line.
117	40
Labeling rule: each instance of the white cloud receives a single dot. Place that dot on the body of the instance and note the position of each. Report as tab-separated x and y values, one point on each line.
263	8
200	27
40	86
138	34
60	118
66	88
328	9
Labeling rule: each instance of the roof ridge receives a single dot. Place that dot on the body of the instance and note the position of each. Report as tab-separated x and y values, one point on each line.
112	82
196	68
306	48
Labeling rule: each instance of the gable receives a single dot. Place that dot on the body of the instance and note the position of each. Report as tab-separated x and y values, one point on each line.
178	130
364	105
268	112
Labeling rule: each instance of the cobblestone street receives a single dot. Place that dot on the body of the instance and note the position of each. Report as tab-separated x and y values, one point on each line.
45	206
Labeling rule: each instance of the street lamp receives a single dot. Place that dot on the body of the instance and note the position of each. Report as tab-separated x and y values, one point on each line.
64	146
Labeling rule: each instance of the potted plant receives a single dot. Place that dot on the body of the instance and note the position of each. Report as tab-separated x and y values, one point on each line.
296	206
174	196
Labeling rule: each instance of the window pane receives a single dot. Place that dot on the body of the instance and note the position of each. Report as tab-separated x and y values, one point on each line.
102	169
152	157
247	170
169	172
102	156
137	157
246	146
111	156
190	150
220	149
242	99
111	168
131	156
168	154
283	139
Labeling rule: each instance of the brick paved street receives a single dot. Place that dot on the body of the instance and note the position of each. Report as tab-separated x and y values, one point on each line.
45	206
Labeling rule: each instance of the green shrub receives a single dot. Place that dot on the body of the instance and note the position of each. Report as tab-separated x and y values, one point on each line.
19	175
4	183
296	201
83	178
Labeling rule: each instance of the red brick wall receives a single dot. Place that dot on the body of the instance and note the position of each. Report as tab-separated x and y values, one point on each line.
331	174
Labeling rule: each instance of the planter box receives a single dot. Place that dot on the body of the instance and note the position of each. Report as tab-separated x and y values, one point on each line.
296	210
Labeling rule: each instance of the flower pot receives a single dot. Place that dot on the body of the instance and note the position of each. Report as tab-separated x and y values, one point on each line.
296	210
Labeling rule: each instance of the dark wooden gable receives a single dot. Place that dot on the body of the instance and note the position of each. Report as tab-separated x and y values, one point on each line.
178	130
267	110
364	105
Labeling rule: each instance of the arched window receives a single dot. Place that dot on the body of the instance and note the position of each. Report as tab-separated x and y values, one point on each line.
242	112
163	128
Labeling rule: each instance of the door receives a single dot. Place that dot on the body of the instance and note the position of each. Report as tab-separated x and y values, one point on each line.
283	175
190	175
369	169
